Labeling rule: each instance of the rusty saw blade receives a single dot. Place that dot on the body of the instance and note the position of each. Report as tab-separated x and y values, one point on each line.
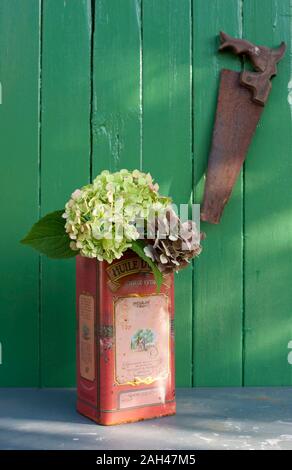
241	101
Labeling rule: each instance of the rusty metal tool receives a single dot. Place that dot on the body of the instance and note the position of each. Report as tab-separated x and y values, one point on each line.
241	100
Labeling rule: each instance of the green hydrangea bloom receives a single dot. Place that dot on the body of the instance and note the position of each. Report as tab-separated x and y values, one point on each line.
100	216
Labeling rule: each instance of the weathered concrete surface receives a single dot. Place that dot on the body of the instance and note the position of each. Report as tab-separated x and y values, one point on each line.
252	418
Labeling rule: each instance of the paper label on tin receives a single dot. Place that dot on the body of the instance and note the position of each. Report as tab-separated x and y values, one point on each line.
137	398
142	325
86	336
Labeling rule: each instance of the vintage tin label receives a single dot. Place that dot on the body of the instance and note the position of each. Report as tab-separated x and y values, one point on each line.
86	336
149	396
142	325
123	268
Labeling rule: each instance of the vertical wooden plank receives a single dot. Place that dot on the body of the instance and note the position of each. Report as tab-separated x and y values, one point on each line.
218	272
117	102
268	202
19	112
167	143
65	163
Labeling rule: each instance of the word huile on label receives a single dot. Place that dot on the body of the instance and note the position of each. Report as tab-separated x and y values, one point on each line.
125	341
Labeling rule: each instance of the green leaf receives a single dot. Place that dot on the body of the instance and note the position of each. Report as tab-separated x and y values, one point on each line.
138	247
49	237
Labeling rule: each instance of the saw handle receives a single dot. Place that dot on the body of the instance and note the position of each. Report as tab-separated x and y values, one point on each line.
263	59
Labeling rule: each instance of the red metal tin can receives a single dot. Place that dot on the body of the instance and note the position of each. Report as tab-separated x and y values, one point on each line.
125	341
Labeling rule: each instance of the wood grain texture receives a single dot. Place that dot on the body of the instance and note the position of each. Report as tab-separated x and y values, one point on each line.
218	272
133	84
65	163
167	149
19	146
116	120
268	201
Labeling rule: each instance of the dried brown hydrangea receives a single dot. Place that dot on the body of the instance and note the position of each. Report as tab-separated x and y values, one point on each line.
171	244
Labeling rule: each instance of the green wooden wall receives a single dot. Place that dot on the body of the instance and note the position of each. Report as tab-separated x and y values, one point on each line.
88	85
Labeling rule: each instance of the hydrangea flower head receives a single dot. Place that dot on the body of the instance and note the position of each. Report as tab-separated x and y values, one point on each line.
100	217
